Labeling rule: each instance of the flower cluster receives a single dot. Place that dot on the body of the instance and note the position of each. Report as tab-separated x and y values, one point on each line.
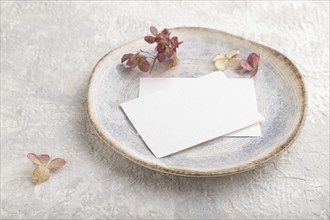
221	62
44	166
249	65
137	59
165	48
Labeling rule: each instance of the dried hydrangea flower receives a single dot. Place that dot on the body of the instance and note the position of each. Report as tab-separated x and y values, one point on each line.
166	49
42	172
251	64
138	60
221	62
166	46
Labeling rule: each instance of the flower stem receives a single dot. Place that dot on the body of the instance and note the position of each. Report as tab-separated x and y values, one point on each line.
153	63
147	53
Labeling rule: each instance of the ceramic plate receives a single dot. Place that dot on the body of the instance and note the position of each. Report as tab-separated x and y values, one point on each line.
280	92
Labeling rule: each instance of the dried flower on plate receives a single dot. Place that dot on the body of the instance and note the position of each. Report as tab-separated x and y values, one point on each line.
221	62
137	59
165	48
42	172
251	64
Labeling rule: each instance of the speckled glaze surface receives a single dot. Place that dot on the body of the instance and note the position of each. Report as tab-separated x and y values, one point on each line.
280	90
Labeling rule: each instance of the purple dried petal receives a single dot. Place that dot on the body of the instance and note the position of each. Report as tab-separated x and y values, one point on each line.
168	52
254	71
126	57
143	65
158	39
140	56
150	39
175	42
161	57
154	30
253	59
246	65
161	47
132	62
165	33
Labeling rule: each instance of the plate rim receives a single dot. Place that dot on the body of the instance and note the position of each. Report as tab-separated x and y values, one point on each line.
115	145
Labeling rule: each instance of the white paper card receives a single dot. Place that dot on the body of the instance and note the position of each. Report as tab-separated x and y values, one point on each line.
176	119
152	85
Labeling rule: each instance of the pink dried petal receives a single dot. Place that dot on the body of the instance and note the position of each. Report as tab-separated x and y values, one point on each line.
34	158
44	159
246	65
126	57
150	39
253	59
56	163
154	30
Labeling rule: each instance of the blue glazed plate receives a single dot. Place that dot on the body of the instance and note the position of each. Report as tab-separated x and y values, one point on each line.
281	97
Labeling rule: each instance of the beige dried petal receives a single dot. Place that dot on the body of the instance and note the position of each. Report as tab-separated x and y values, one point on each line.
232	53
221	64
40	174
175	60
235	63
217	56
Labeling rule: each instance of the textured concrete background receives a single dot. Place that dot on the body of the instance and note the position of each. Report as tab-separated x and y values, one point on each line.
48	50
